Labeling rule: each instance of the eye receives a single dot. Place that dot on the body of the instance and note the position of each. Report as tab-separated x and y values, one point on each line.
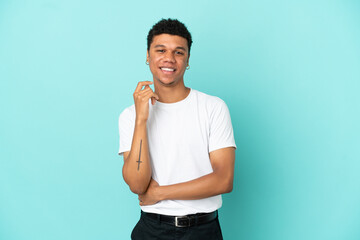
160	50
179	53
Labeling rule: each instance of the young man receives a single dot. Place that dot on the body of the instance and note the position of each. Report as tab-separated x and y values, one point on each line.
177	143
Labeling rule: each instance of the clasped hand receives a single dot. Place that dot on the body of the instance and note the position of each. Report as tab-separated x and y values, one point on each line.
151	196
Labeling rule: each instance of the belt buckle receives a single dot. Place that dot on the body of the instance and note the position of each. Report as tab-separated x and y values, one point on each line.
181	218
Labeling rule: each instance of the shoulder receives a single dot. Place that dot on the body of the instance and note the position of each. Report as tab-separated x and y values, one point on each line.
210	101
128	113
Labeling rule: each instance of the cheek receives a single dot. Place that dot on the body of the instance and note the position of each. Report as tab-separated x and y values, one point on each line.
184	64
184	61
154	60
153	67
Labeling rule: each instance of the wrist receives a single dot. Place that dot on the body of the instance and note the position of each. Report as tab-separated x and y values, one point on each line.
140	122
160	193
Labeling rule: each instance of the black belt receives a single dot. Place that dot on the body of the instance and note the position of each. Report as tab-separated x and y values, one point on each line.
183	221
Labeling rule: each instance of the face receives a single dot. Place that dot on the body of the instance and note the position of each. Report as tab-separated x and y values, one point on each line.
168	58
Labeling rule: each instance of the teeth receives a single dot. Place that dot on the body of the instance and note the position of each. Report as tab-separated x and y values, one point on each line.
168	69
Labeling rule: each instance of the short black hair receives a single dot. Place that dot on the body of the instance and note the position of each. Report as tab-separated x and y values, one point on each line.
169	26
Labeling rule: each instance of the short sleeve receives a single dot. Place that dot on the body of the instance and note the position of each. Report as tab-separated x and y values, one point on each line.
126	130
221	133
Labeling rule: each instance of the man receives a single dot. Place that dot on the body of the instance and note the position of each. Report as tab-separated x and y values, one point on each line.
177	143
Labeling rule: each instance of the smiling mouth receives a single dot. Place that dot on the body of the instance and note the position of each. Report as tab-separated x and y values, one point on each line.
168	70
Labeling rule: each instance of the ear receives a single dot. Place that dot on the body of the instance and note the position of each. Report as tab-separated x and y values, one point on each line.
188	59
147	56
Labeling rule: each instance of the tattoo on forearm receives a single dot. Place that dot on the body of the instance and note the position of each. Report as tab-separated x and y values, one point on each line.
138	161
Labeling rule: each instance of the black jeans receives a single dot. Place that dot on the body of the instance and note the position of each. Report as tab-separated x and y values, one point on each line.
150	229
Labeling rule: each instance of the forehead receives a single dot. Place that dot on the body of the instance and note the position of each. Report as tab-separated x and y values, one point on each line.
170	41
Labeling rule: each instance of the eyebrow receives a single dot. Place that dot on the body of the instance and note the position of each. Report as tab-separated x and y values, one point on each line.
159	45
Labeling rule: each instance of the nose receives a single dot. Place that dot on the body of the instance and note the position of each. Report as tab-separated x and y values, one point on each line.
169	56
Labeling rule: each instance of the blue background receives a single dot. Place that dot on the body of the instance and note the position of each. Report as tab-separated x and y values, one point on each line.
288	70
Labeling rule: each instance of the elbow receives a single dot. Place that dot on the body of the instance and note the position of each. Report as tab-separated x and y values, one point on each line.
138	189
224	183
227	186
229	189
136	185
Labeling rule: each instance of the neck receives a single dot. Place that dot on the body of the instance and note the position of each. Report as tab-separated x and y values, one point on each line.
171	94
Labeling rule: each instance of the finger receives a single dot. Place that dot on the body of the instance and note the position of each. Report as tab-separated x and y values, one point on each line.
154	95
150	94
141	95
141	84
144	92
147	87
153	100
147	96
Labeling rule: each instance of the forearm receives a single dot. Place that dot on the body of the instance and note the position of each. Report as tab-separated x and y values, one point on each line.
206	186
137	168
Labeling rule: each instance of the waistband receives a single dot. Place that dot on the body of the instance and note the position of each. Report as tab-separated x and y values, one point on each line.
182	221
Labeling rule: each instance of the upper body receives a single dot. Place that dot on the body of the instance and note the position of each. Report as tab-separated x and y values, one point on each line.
180	137
178	157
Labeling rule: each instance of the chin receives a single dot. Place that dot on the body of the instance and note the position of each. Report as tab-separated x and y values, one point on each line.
167	82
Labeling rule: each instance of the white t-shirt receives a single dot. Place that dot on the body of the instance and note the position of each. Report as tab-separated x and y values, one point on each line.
180	136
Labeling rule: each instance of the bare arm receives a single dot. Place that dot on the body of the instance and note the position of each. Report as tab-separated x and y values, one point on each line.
218	182
137	168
